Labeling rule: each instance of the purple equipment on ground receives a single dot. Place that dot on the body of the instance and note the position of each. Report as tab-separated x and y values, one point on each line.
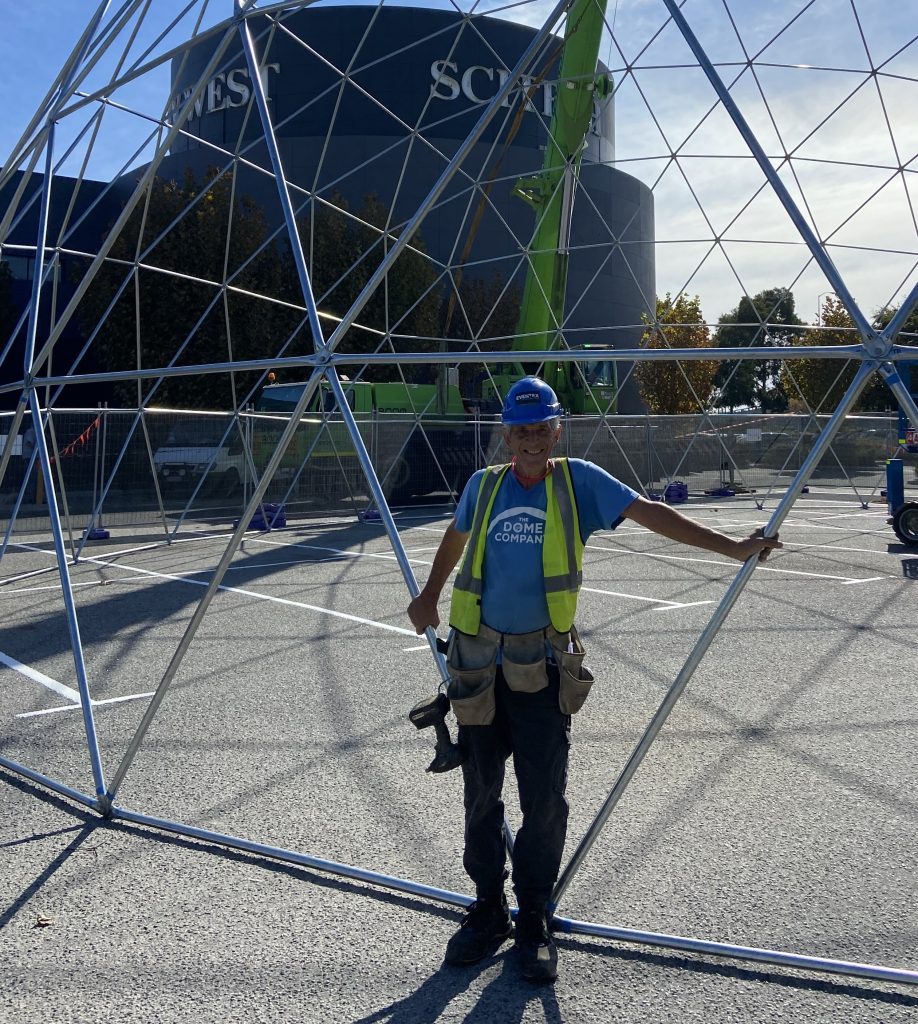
269	516
676	493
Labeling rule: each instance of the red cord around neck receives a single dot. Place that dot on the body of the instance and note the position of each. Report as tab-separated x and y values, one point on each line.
529	481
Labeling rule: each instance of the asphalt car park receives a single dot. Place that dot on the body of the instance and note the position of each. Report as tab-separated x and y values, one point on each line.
776	808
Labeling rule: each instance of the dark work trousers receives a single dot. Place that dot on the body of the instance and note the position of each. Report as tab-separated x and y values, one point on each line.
529	726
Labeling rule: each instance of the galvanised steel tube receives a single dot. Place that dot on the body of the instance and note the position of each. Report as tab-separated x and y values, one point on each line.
838	352
73	625
10	437
296	246
215	581
800	223
292	857
152	461
54	97
250	468
567	925
167	56
710	632
897	385
768	956
382	507
128	208
449	171
49	783
20	494
41	450
902	314
392	531
619	355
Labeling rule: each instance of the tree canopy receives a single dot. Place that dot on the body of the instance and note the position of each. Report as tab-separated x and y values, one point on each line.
768	318
344	249
668	386
820	383
184	239
187	237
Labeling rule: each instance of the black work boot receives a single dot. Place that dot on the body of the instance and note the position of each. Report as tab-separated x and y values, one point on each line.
536	950
485	927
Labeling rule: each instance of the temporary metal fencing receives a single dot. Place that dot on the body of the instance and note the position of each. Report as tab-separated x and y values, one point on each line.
188	466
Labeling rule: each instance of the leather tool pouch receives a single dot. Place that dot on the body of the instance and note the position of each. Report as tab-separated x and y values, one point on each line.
472	662
575	678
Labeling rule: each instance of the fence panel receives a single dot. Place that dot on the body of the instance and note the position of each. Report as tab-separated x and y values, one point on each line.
202	466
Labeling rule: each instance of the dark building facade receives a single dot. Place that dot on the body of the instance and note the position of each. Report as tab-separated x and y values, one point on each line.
78	213
435	70
411	67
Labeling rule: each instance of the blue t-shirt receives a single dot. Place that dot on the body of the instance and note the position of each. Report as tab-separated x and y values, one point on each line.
513	597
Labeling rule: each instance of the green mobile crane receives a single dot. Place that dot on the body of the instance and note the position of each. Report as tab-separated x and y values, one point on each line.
550	193
588	386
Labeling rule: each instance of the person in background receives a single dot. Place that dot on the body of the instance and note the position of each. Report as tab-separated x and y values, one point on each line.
28	448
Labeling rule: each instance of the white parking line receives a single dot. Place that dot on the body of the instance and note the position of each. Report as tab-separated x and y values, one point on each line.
735	565
76	707
668	605
262	597
800	524
829	548
341	552
60	689
39	677
57	586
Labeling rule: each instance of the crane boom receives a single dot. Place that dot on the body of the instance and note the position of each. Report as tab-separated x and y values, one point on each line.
550	193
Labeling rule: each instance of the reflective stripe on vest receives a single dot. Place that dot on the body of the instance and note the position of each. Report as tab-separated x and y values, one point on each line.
562	552
465	606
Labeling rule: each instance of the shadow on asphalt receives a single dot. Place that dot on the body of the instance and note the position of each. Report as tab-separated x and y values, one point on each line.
139	612
698	965
505	997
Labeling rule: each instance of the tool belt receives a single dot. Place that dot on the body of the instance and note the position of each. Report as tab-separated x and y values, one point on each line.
472	662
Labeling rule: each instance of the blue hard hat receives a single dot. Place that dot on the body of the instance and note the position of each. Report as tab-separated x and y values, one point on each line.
530	400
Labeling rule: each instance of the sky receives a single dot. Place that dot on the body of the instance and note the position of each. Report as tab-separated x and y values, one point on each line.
804	79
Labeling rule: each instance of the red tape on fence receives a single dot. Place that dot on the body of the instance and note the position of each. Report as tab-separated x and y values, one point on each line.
78	442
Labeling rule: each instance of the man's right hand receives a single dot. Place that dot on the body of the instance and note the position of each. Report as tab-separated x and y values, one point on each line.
423	612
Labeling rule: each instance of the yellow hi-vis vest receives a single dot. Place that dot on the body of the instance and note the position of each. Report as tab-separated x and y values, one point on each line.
562	552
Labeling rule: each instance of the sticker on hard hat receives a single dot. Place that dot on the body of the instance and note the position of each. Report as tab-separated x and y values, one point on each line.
529	396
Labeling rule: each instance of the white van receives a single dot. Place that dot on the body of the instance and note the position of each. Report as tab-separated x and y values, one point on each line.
193	448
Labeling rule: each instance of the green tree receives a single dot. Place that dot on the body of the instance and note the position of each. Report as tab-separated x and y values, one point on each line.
822	382
166	308
344	251
491	309
876	396
490	312
909	333
768	318
668	387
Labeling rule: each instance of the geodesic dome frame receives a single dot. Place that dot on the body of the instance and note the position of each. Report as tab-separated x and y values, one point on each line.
875	351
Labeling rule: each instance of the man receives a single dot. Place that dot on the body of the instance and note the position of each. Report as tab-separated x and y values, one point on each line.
515	658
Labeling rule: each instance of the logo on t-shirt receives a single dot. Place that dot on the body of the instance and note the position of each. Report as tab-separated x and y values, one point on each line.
520	525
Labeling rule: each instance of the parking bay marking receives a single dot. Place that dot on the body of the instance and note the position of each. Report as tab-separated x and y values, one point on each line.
74	696
760	568
664	605
59	688
261	597
76	707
